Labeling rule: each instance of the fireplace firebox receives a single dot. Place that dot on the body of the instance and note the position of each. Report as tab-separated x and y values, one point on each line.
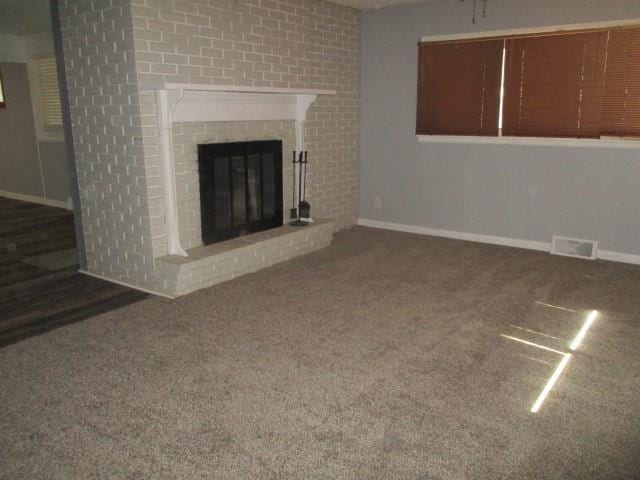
240	188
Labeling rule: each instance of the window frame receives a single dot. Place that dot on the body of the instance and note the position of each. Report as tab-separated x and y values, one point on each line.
615	142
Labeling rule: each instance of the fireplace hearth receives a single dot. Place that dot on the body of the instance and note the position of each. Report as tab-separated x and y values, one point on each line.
240	188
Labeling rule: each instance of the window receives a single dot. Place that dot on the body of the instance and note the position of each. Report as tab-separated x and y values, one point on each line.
459	88
553	85
621	108
45	96
3	104
571	84
48	93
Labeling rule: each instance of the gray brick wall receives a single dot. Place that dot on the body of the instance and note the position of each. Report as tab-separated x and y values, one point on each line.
115	49
99	62
273	43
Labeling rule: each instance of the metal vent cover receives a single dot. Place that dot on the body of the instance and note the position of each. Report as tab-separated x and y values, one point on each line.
574	247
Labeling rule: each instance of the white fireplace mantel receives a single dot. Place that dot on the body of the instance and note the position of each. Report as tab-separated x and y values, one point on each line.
181	102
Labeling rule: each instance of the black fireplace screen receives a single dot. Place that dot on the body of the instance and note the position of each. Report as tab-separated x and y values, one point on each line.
240	188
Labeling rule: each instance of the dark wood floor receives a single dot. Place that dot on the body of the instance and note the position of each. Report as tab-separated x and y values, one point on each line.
33	299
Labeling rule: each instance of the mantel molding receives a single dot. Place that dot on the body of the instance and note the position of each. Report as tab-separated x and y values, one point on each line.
179	102
218	106
240	88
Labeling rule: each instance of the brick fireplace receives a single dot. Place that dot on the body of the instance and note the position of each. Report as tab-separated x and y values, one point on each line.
219	114
119	55
186	137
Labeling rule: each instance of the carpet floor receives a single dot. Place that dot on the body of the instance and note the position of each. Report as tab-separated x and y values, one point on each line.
384	356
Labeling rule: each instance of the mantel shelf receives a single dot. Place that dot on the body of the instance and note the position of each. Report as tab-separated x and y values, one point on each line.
242	89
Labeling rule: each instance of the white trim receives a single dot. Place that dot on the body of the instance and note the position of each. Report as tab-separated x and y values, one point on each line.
125	284
166	101
180	102
532	30
214	106
33	199
41	168
540	141
494	240
472	237
619	257
239	88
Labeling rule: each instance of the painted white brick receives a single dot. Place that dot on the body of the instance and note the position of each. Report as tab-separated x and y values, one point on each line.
114	47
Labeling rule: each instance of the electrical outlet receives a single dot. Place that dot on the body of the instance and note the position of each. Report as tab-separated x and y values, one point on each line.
377	202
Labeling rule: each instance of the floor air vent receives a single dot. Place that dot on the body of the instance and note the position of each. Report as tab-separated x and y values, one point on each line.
574	247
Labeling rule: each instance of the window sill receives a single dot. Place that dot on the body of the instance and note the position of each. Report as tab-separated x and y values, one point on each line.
543	142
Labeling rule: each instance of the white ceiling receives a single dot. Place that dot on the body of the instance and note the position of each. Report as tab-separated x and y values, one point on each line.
363	4
24	17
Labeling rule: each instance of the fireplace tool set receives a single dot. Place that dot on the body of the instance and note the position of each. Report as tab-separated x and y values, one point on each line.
300	214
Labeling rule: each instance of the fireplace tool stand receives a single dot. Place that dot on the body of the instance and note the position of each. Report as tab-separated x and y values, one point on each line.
300	214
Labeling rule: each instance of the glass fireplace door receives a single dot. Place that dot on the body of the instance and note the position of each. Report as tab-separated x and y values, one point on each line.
240	188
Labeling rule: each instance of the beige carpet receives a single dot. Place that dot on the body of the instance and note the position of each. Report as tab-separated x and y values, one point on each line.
380	357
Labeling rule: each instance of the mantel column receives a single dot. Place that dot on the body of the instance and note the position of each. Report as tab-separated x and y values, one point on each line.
165	105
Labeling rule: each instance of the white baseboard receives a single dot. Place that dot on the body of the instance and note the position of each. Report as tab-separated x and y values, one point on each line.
619	257
472	237
34	199
125	284
494	240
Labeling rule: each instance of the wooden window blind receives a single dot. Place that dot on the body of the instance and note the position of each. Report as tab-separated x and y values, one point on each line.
621	104
554	85
574	84
459	88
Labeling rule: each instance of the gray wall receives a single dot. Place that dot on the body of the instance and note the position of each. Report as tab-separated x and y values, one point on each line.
524	192
19	164
55	170
12	48
20	154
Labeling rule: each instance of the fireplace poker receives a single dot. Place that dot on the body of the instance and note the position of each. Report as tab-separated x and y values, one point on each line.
293	212
304	208
299	181
304	181
299	222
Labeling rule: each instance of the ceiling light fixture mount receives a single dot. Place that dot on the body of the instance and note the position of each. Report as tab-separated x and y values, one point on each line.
475	9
